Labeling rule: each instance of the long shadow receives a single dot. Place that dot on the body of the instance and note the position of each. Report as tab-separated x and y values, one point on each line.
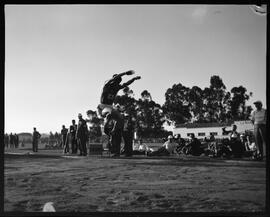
16	156
160	161
204	163
191	162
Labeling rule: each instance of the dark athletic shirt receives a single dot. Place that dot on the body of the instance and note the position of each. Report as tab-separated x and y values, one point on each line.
109	92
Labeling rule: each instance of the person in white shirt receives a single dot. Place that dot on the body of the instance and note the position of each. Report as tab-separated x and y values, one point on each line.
258	118
166	149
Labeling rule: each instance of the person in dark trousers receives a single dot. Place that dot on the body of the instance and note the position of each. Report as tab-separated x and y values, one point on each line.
16	140
82	135
72	137
114	117
35	140
111	88
258	118
6	140
64	139
128	132
11	140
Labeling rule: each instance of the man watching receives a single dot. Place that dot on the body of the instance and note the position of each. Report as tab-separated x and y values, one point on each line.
73	141
36	137
82	135
64	139
258	118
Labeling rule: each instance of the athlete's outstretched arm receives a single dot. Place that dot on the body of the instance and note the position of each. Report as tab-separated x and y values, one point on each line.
130	72
130	82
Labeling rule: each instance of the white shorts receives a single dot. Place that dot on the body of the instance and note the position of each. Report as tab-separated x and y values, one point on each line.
101	107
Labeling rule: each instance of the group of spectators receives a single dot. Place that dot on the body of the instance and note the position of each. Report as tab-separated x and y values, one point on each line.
119	126
76	137
122	128
236	145
11	140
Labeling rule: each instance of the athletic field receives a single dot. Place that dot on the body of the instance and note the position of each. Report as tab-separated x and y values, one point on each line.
136	184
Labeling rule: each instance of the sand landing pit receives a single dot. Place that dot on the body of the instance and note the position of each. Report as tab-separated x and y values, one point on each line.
135	184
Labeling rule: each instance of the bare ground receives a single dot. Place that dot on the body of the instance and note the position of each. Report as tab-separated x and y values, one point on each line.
136	184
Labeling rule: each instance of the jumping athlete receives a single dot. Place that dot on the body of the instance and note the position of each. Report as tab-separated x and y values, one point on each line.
111	89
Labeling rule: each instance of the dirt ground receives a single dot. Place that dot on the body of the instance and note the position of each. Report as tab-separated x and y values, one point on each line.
135	184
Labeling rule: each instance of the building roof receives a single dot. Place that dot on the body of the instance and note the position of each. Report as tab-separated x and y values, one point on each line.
24	134
203	125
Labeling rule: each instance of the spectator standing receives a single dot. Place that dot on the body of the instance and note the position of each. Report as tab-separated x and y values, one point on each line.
115	118
82	135
128	132
258	118
11	140
35	140
6	140
16	140
72	134
64	139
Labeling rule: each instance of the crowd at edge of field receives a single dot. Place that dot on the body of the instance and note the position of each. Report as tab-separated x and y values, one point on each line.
118	126
236	145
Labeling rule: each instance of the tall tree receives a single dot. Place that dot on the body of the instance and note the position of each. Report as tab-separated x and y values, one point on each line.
145	95
196	104
150	117
176	106
127	101
215	100
95	122
212	104
239	110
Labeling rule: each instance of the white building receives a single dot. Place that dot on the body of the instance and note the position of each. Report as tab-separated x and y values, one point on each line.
202	130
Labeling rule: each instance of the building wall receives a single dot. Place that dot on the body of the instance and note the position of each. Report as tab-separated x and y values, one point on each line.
204	132
242	126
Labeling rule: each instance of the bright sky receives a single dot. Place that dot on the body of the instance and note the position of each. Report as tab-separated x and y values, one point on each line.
59	56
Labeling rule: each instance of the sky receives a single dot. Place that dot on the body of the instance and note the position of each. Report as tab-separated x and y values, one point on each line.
57	57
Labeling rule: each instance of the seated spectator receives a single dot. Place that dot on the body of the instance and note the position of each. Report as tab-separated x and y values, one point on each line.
140	148
233	134
224	149
180	143
194	146
250	146
167	148
243	141
237	147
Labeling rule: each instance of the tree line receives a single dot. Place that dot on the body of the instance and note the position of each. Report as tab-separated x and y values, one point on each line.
212	104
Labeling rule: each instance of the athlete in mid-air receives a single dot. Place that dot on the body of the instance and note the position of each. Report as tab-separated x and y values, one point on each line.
111	89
